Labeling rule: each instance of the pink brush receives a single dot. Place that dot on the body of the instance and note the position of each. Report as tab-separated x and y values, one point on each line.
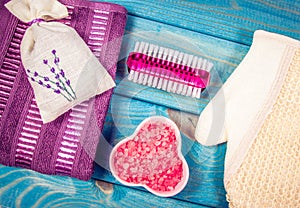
151	158
169	70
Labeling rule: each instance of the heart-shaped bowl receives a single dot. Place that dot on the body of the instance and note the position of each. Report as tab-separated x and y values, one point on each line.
151	158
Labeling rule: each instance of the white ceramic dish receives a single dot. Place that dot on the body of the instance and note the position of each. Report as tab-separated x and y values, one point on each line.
184	172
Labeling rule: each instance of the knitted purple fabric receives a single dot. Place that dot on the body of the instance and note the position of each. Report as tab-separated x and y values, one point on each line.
66	146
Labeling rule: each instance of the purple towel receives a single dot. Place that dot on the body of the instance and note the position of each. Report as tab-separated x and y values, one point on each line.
66	146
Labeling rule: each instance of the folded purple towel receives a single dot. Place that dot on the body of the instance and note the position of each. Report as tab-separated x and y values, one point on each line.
67	145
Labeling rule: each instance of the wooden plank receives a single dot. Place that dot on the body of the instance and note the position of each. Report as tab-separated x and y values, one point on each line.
205	185
230	20
26	188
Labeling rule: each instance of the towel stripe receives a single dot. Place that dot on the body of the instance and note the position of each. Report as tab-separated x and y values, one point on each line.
28	137
98	31
10	66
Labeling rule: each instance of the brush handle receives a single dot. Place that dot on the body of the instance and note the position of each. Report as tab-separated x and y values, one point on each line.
169	70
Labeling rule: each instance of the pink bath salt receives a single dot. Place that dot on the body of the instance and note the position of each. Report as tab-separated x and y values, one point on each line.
150	158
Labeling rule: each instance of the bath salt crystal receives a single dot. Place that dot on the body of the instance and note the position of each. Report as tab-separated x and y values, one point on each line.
151	158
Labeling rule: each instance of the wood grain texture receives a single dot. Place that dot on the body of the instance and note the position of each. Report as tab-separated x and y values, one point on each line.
220	31
230	19
26	188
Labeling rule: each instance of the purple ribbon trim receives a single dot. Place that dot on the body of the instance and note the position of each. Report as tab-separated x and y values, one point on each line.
36	21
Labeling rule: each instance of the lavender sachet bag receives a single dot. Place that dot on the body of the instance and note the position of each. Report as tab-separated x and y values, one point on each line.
62	70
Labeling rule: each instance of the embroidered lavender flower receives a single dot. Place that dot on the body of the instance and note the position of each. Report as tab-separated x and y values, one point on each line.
68	82
58	83
56	60
59	86
62	73
57	91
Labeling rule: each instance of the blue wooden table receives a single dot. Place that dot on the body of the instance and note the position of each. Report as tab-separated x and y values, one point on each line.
220	31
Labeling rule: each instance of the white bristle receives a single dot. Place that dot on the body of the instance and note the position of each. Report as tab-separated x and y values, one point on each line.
131	74
156	79
194	93
178	88
165	53
175	56
136	47
170	55
151	49
172	85
144	47
198	94
199	64
180	57
163	72
185	59
190	59
150	80
136	76
149	53
194	63
182	87
155	51
165	79
186	89
160	52
191	89
204	65
167	57
209	66
141	48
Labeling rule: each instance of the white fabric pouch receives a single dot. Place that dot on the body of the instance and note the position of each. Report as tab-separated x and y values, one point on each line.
61	69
